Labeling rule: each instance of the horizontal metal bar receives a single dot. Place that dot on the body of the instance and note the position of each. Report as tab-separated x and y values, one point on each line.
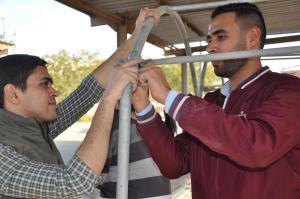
230	55
275	40
281	58
209	5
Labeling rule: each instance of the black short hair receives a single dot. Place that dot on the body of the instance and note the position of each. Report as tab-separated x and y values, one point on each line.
247	14
15	69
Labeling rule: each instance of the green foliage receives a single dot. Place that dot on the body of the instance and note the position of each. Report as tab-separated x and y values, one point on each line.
173	74
86	118
69	70
210	76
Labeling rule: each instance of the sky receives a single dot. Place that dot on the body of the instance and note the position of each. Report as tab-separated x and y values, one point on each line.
40	27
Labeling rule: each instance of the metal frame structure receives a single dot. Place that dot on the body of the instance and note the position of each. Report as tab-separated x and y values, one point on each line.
125	105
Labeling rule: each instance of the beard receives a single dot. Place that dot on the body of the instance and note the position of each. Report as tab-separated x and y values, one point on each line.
227	68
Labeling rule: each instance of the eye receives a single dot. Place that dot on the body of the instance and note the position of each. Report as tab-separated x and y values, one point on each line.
221	37
45	84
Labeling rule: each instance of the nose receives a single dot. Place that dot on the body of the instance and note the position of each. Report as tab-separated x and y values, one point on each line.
211	47
54	92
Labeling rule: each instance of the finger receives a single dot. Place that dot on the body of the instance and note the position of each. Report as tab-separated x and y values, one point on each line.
149	64
134	86
153	13
134	81
133	76
132	69
144	69
156	18
143	81
149	71
144	75
132	63
143	11
126	81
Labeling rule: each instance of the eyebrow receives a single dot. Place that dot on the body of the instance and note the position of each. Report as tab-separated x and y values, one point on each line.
47	79
220	31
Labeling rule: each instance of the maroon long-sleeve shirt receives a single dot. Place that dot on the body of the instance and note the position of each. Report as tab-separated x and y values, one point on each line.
249	150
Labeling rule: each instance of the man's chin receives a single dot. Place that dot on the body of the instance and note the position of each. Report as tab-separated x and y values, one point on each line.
52	117
217	72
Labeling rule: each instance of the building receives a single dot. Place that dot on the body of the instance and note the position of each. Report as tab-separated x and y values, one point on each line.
5	47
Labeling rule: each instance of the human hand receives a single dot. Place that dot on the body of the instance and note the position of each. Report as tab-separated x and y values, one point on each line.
144	13
153	76
120	77
140	97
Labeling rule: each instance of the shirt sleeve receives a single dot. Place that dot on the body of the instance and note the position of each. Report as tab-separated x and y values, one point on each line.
170	99
171	154
24	178
75	105
255	140
146	110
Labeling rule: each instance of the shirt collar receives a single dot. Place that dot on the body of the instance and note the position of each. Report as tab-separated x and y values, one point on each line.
225	89
253	77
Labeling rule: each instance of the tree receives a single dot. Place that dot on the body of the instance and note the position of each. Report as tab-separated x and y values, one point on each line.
174	74
68	70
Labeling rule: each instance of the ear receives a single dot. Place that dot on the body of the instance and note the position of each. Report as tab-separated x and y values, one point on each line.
11	94
253	38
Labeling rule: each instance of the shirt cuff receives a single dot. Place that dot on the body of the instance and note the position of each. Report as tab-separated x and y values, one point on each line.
149	113
176	105
170	99
145	111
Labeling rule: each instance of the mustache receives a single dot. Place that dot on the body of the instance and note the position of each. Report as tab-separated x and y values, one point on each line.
52	102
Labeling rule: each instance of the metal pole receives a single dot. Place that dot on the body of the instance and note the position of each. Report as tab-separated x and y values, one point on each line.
202	76
123	144
188	49
124	124
184	84
230	55
203	6
281	58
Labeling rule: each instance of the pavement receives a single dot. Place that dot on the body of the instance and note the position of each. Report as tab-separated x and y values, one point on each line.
69	141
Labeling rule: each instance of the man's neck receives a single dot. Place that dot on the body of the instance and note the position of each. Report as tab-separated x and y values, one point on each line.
252	66
14	109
